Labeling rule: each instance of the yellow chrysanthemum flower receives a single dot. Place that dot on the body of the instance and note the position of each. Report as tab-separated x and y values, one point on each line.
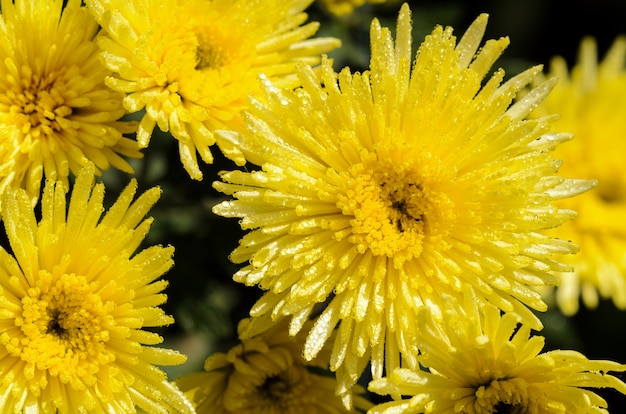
74	299
265	374
52	91
476	361
345	7
191	63
592	104
379	192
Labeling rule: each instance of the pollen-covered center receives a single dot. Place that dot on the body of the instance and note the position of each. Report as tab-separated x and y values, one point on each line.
394	206
505	396
205	62
64	328
210	56
214	50
37	103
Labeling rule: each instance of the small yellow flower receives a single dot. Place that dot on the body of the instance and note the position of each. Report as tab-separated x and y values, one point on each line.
52	91
345	7
475	361
592	104
191	63
380	192
264	374
74	299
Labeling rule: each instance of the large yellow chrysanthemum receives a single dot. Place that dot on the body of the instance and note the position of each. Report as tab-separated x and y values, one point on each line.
386	192
475	361
74	299
265	374
592	104
191	63
52	92
379	192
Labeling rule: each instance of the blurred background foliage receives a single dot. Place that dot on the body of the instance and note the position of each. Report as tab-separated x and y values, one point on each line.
207	304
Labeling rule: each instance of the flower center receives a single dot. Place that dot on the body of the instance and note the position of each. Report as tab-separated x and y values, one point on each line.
395	207
282	392
275	388
203	62
270	381
55	325
612	190
503	408
505	396
65	327
207	57
408	205
39	102
214	50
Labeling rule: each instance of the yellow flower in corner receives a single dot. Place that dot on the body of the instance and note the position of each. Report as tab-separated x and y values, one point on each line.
592	103
52	93
264	374
74	299
475	361
345	7
381	191
190	64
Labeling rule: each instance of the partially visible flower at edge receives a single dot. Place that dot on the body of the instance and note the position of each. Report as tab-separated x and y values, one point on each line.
591	101
52	92
265	373
75	298
379	192
342	8
185	65
477	361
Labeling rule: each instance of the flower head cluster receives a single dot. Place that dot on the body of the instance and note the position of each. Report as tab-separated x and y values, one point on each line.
190	64
406	218
380	193
56	113
591	101
264	374
74	299
476	361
